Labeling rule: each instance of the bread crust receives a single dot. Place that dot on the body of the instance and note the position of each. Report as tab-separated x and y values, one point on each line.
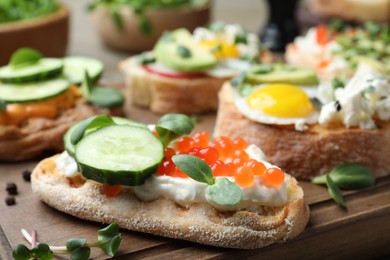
36	135
313	152
167	95
199	223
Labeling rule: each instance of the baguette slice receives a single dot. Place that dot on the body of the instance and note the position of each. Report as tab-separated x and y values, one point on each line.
18	143
200	223
310	153
168	95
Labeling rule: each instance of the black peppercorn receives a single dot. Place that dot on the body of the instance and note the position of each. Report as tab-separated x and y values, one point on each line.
27	175
10	201
12	189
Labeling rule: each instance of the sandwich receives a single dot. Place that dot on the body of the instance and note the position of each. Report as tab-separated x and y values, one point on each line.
165	182
309	131
40	99
184	72
336	49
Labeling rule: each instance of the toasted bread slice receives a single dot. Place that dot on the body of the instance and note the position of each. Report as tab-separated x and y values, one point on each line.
201	223
18	143
310	153
170	95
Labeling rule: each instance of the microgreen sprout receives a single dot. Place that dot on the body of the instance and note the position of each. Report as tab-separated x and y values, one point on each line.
172	126
221	191
108	241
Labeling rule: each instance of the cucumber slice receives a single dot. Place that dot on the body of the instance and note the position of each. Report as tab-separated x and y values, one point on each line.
71	149
75	66
46	68
30	92
124	155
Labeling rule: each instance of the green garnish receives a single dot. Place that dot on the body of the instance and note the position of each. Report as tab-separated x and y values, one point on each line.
335	192
89	125
348	176
172	126
145	58
100	96
235	82
108	241
24	57
3	105
195	168
221	191
106	97
337	83
183	51
225	192
216	26
337	25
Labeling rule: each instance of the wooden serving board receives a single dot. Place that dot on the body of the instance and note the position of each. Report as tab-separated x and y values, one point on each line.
362	231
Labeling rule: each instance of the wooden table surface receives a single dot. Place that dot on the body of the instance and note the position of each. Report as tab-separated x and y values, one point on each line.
362	231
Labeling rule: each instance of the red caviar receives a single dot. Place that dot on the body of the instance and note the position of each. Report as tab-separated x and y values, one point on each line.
184	144
226	157
244	176
273	177
111	190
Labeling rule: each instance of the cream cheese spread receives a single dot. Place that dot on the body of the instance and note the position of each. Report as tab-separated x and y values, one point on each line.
186	191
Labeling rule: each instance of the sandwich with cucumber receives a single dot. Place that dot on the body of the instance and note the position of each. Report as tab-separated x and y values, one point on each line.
184	71
40	98
164	181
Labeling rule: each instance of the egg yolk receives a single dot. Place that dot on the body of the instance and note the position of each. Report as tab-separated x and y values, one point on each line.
281	100
221	49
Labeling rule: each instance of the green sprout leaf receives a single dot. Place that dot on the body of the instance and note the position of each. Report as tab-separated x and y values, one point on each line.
194	167
109	239
172	126
237	81
106	97
21	252
90	125
349	176
183	51
3	105
335	192
77	249
86	85
225	192
78	133
41	251
24	57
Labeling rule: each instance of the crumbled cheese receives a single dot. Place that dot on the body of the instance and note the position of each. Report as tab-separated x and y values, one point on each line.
365	96
300	125
67	165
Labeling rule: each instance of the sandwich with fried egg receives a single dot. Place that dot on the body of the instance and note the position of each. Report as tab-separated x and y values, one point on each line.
215	192
309	133
40	99
184	71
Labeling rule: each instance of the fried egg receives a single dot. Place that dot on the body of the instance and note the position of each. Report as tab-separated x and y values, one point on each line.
279	104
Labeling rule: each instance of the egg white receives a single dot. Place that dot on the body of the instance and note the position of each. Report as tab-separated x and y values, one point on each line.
261	117
229	68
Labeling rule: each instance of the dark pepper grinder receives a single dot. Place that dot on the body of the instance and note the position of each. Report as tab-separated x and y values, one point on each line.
281	28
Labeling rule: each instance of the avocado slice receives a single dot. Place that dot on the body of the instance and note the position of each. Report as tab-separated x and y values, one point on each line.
381	66
281	73
178	50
